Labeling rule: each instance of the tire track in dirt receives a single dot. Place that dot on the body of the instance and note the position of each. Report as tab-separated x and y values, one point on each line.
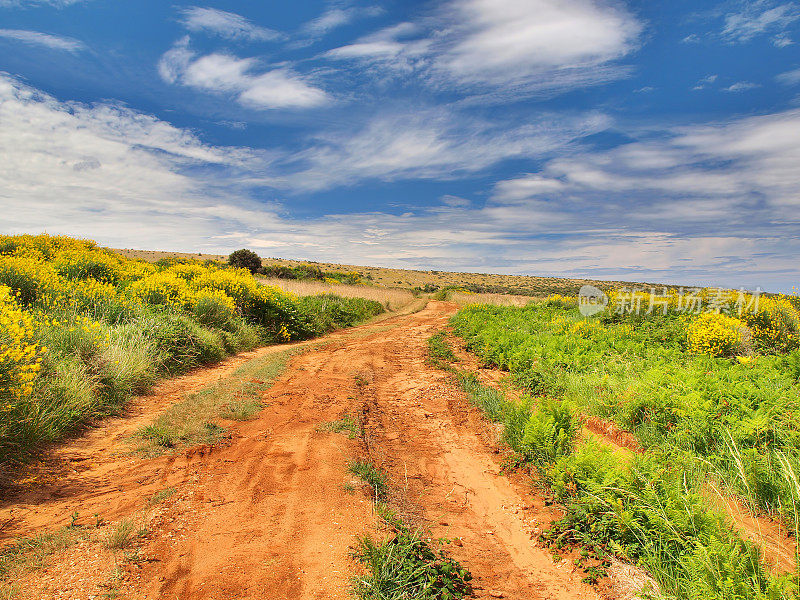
267	514
444	456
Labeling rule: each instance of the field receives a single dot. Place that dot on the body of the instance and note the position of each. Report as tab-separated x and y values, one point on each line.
84	329
711	401
425	281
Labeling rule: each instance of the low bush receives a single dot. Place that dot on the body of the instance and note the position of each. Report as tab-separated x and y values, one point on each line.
245	259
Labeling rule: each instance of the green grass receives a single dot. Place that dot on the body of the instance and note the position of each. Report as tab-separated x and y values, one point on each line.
406	567
346	424
440	351
195	420
124	534
698	418
375	478
31	553
162	496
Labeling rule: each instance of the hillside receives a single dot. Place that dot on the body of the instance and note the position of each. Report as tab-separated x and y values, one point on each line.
526	285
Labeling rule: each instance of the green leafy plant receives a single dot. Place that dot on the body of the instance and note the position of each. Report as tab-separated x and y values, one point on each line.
374	477
406	567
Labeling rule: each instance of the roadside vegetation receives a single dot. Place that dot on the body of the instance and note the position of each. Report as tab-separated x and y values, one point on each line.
82	329
712	399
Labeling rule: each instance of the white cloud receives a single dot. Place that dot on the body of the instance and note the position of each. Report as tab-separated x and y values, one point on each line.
37	38
398	47
329	20
338	14
223	73
226	24
107	170
741	86
55	3
782	40
526	187
280	88
705	82
433	143
757	17
728	163
521	46
498	41
789	77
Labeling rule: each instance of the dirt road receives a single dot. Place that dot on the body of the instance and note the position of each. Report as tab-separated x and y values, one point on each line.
269	514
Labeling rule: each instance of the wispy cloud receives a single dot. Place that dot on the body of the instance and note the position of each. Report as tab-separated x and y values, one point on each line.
241	77
789	77
55	3
427	143
705	82
741	86
46	40
760	17
226	24
522	46
334	17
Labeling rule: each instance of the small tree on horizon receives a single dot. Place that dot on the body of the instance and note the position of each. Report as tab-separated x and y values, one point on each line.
245	259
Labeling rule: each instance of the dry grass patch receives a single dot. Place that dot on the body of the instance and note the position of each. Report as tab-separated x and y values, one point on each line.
464	299
195	420
391	298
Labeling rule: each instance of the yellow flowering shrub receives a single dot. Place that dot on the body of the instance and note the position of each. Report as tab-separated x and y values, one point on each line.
163	288
44	245
236	283
716	334
213	307
775	324
103	266
32	281
20	356
560	300
89	295
133	270
188	271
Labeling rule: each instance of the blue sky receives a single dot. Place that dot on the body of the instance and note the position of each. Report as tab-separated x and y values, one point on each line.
655	141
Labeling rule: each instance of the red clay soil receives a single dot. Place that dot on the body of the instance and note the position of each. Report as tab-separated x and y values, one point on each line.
268	514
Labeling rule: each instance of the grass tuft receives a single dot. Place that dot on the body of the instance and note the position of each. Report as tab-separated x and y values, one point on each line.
30	553
405	567
124	534
439	350
346	424
374	477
